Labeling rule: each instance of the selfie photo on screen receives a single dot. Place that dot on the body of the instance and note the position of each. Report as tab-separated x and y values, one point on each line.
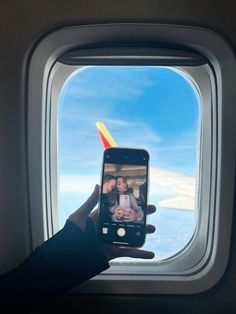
123	193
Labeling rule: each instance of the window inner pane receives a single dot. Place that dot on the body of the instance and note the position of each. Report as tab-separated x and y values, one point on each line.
156	108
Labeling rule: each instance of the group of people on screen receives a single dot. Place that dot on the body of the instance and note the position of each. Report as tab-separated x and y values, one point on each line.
121	203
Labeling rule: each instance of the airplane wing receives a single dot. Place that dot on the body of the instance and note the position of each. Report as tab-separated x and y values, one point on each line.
181	184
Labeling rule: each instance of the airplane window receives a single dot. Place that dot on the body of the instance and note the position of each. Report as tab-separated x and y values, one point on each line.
156	108
165	88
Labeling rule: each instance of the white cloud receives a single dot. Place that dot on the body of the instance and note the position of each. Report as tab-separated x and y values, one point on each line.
179	147
78	183
161	182
124	84
137	134
80	145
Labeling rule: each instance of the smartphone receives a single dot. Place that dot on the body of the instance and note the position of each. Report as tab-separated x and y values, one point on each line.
123	196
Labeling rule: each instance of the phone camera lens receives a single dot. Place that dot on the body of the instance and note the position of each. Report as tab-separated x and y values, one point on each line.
108	156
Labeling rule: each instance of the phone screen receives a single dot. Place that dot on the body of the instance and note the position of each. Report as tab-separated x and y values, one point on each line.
123	198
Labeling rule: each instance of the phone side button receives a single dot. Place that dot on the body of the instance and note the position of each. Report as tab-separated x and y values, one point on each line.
121	232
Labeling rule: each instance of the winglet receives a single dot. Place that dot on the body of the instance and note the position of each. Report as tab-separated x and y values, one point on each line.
105	136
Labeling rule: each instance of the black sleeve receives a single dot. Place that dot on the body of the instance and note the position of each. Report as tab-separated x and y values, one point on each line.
67	259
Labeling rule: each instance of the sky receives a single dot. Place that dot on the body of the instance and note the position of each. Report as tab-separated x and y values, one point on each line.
155	108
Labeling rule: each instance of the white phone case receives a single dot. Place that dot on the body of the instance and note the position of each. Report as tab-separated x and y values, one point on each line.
125	201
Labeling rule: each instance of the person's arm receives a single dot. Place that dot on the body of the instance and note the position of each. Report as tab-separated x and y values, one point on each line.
136	207
67	259
116	212
70	257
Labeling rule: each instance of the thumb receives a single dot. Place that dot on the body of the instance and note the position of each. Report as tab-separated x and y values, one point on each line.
80	216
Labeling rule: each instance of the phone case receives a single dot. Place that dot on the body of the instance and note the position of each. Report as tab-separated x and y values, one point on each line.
125	201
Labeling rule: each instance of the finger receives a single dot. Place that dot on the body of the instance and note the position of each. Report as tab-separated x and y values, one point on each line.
126	216
151	209
94	215
135	253
150	229
91	202
80	215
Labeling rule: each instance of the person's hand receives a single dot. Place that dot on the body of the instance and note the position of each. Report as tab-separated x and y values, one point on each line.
79	217
118	212
130	215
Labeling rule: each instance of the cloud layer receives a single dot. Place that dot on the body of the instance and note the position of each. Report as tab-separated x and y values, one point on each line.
163	183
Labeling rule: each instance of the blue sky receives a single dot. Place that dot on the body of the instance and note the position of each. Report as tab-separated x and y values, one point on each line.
150	107
155	108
